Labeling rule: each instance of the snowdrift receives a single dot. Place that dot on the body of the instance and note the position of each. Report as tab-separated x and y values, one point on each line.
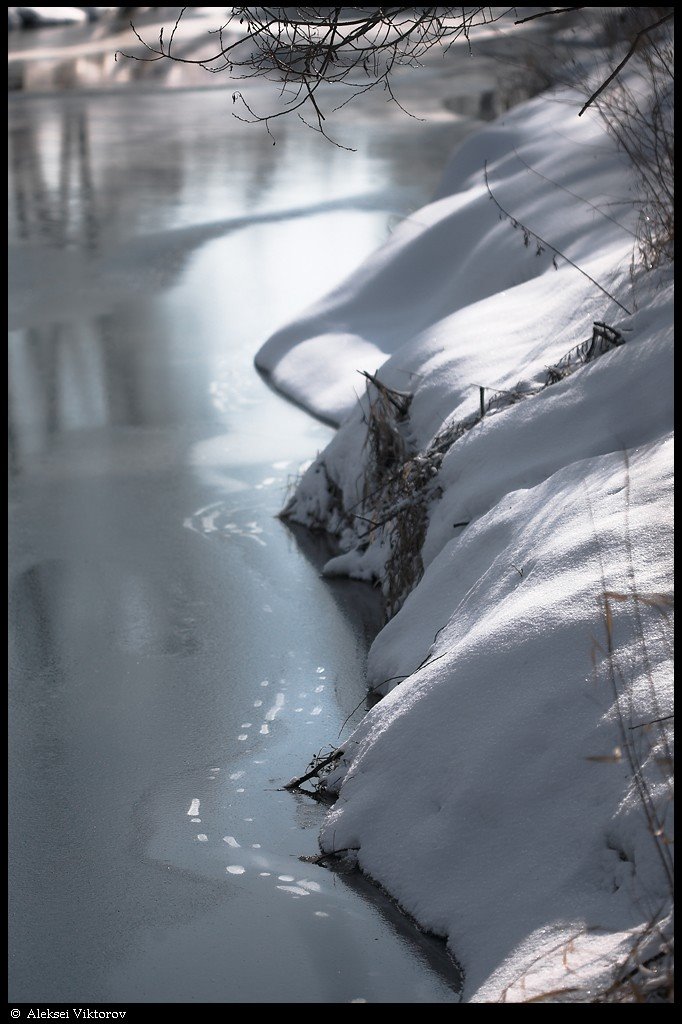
512	788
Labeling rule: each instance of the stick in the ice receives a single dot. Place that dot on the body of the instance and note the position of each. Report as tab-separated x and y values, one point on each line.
297	782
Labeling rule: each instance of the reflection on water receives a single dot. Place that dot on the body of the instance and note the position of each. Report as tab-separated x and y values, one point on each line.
61	210
107	208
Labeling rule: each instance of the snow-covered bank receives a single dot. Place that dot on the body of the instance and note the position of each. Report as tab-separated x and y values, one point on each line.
507	790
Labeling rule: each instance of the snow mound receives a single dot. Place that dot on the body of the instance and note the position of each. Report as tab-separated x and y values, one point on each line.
490	792
457	251
512	788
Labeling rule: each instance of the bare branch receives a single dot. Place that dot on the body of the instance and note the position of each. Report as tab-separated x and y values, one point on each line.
545	14
356	47
626	58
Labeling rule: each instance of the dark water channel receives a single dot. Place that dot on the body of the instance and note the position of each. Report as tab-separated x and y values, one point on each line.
175	656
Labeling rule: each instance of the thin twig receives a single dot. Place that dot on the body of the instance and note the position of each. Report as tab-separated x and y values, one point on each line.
319	858
575	195
542	241
653	721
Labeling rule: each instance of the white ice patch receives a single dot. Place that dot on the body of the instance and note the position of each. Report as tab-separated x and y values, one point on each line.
276	708
215	519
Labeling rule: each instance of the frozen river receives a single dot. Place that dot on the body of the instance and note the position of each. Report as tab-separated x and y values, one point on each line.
175	656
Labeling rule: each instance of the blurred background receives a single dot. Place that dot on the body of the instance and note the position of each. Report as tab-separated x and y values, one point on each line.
74	47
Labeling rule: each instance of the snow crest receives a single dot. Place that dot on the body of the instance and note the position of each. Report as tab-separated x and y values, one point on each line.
511	789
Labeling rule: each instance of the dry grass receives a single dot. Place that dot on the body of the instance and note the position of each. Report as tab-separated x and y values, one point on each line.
638	111
394	496
397	483
645	974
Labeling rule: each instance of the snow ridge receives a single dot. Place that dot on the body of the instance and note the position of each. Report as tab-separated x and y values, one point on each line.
512	788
